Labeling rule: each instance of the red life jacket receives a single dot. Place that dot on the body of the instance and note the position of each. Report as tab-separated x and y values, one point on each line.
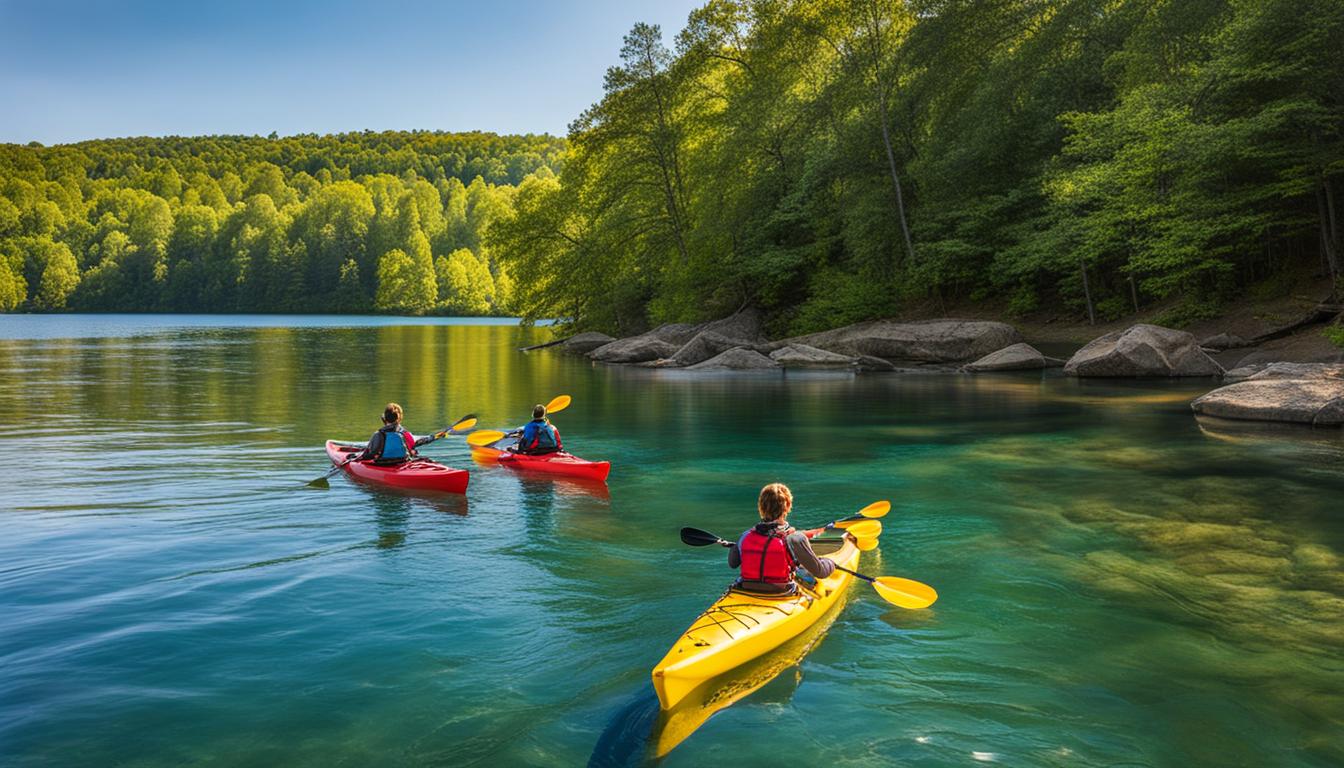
765	556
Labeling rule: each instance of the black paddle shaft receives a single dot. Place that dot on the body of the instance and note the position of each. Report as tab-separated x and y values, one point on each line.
698	538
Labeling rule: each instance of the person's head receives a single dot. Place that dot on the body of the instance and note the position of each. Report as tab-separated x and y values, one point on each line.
774	502
538	411
392	414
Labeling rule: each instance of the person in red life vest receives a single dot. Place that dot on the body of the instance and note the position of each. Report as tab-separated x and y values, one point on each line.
391	444
770	552
538	436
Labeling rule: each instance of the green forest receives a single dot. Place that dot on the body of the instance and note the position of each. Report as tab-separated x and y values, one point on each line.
826	161
368	222
834	160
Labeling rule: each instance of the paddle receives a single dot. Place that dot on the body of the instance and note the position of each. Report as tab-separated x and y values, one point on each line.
871	512
463	424
466	422
905	593
862	524
485	437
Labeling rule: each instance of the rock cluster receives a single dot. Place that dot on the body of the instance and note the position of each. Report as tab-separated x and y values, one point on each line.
870	346
1303	393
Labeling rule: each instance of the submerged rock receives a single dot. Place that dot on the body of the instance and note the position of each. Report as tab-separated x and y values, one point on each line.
804	356
583	343
868	363
737	359
1301	393
1018	357
932	341
1143	351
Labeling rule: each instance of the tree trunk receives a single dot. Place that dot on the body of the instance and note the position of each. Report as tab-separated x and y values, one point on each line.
1134	293
1333	233
1087	292
895	177
1325	213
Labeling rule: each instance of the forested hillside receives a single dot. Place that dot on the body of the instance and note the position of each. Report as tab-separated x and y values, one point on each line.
832	160
388	222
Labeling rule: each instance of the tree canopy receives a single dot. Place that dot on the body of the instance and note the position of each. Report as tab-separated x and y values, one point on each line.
346	223
835	160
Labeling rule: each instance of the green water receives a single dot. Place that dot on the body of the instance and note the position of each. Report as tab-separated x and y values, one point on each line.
1121	584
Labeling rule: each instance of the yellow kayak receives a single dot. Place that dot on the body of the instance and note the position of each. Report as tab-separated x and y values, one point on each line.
740	627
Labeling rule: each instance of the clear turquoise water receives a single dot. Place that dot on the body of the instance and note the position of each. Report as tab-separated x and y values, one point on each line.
1121	584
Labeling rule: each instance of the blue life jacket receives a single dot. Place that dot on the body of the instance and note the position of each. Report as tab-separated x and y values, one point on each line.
394	445
539	436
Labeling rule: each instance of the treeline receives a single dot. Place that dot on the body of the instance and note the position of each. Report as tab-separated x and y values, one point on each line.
386	222
832	160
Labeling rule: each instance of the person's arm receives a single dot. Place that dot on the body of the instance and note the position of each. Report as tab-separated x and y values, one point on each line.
734	556
801	549
529	432
371	450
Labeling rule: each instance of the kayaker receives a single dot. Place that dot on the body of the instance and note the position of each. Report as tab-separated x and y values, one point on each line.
772	553
391	444
539	436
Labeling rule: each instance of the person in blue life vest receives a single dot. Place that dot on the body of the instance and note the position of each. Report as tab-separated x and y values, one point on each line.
391	444
539	436
771	553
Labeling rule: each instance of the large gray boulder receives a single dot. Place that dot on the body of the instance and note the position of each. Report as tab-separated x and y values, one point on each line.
1319	401
932	341
737	359
1263	371
705	345
676	334
745	326
1018	357
803	356
636	349
1143	351
583	343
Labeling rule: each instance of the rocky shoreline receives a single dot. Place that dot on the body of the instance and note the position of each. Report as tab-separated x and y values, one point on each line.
1256	389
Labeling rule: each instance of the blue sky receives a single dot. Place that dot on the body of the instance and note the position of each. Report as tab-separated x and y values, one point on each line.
83	70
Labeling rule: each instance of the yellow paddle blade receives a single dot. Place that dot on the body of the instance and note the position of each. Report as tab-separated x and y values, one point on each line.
485	455
464	425
864	529
866	545
876	509
906	593
560	403
484	437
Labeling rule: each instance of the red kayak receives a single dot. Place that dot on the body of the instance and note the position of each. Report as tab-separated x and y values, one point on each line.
559	463
416	474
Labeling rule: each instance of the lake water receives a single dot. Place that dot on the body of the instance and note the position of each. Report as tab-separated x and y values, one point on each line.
1120	583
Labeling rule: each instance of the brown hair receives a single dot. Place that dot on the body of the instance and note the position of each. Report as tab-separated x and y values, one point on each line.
775	501
538	411
392	414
